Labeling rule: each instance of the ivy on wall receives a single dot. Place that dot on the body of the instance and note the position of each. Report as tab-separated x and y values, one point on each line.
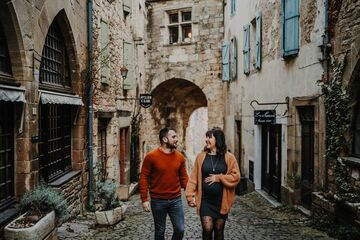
337	110
338	116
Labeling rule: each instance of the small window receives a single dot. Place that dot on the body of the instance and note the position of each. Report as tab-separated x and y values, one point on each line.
180	27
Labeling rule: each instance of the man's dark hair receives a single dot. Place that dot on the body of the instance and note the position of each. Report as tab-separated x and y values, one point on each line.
163	133
219	138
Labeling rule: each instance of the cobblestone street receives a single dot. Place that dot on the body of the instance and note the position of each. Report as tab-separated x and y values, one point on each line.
251	218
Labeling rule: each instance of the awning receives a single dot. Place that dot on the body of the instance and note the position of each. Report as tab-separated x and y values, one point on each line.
12	94
48	97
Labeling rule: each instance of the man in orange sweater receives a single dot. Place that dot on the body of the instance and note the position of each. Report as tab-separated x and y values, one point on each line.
163	173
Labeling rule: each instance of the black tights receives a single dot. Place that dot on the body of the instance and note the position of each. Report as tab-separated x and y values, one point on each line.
208	228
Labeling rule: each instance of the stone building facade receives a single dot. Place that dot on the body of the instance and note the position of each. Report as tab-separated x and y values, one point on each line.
274	111
43	59
183	71
119	41
341	197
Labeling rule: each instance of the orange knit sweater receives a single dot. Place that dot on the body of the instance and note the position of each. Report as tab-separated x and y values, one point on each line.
163	174
229	180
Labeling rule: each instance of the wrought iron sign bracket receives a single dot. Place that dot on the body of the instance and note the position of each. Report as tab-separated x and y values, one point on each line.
272	103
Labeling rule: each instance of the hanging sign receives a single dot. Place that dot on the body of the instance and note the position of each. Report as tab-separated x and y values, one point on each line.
145	100
264	117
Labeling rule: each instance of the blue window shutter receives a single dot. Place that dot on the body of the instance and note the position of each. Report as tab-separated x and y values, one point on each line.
246	49
258	41
105	53
233	7
225	62
291	15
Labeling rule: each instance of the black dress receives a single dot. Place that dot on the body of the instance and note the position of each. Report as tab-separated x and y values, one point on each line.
212	194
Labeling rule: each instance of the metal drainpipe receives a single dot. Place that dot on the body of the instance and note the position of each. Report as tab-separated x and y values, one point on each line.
326	41
90	104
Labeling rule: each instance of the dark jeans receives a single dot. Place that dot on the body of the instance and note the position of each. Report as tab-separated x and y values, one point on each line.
160	208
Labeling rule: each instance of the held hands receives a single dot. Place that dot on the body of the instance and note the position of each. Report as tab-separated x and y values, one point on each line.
192	203
146	206
212	178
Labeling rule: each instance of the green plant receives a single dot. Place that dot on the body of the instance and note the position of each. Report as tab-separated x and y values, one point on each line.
337	110
42	200
105	196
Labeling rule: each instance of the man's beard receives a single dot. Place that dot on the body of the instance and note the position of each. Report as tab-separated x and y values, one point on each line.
171	146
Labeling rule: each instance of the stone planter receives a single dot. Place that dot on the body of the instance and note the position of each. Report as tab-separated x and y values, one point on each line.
319	201
43	229
110	217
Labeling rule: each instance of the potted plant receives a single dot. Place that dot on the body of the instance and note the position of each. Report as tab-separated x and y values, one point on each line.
42	209
108	209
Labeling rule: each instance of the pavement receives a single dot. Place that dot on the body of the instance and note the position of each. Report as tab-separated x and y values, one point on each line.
251	218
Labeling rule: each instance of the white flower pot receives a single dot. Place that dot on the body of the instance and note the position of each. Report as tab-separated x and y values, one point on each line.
39	231
110	217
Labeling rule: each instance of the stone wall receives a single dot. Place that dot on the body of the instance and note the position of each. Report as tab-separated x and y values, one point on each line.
186	75
72	192
26	25
111	102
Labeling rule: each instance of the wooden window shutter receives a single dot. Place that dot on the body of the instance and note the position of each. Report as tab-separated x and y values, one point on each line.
105	53
225	62
246	49
129	82
258	41
290	27
233	7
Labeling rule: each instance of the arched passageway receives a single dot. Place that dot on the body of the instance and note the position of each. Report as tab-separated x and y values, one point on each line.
173	103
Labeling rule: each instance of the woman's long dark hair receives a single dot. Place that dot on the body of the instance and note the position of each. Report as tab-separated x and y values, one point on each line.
219	140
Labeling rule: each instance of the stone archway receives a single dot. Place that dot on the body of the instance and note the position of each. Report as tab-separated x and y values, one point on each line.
174	101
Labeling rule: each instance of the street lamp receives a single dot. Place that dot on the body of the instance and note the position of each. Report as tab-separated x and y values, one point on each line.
123	71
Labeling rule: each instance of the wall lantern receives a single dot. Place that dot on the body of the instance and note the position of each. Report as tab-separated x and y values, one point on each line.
123	71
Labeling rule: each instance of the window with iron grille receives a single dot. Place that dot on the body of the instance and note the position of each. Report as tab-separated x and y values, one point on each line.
6	156
5	67
54	68
55	141
180	26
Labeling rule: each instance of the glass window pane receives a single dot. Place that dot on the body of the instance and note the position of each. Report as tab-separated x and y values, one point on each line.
174	34
4	54
174	18
186	16
186	33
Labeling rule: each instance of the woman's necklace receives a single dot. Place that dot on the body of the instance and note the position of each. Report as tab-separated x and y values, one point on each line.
212	163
